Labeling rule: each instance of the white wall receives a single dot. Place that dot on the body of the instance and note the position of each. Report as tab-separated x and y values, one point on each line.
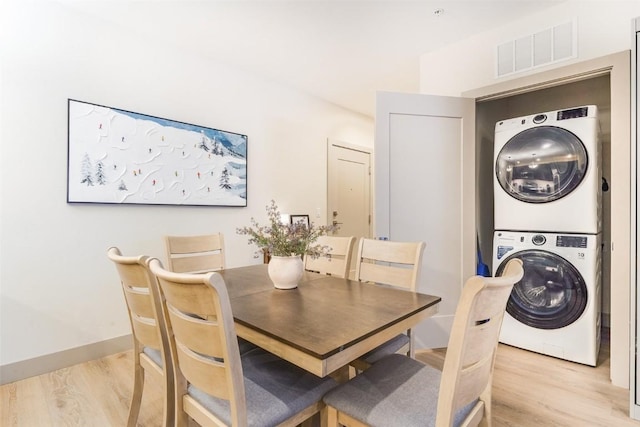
57	288
604	27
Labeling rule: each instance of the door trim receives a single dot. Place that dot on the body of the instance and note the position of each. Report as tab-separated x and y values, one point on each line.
361	149
618	66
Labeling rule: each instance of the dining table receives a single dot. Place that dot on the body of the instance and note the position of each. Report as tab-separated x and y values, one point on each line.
326	322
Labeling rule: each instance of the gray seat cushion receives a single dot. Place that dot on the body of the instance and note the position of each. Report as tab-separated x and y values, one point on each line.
390	347
245	346
274	389
396	391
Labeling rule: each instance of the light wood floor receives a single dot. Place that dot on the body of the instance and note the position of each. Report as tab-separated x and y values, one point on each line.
529	390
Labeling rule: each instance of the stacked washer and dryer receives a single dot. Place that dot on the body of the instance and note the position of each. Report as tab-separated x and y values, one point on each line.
548	213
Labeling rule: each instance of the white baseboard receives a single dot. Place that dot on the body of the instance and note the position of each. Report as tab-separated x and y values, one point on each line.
40	365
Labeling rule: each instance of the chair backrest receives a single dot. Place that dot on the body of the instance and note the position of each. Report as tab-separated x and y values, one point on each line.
143	302
149	330
195	254
468	365
338	258
202	337
389	262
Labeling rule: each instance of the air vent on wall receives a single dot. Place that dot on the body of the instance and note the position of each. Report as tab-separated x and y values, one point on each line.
545	47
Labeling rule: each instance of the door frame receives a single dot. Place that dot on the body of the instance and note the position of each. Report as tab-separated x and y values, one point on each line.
617	65
634	377
362	149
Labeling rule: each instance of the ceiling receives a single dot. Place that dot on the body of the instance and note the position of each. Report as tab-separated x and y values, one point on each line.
339	50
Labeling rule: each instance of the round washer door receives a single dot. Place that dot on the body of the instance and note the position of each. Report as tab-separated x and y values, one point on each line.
551	295
541	164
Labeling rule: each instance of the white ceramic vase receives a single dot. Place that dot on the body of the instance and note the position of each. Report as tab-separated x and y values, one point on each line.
285	271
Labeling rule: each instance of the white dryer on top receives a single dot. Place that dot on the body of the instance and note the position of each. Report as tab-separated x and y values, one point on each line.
548	172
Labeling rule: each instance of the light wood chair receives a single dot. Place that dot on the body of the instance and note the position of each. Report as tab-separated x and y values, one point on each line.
199	254
151	354
195	254
401	391
215	385
337	261
395	264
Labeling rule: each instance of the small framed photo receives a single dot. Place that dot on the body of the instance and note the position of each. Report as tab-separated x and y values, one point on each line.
300	219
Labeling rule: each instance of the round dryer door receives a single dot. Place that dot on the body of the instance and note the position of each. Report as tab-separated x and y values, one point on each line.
552	293
541	164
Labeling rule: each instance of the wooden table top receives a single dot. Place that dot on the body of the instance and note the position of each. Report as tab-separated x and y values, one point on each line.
324	315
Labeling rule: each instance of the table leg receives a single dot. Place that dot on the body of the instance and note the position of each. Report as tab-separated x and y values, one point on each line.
341	375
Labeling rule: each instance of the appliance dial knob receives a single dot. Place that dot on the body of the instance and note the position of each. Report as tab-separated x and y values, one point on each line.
539	118
538	239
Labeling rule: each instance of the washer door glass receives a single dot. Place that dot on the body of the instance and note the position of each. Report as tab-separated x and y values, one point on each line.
552	294
541	164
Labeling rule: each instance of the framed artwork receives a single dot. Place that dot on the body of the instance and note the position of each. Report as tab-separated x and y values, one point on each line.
300	219
117	156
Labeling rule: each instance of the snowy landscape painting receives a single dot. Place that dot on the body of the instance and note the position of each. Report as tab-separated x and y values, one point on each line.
117	156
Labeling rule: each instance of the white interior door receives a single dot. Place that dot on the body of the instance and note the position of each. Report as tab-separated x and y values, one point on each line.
425	190
349	189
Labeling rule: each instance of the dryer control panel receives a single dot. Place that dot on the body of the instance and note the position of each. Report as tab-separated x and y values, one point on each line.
571	241
573	113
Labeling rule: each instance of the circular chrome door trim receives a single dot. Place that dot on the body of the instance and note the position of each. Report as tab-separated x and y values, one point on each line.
541	164
551	295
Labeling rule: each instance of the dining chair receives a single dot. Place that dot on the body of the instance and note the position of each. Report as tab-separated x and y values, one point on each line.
151	354
215	384
195	254
337	260
401	391
199	254
391	263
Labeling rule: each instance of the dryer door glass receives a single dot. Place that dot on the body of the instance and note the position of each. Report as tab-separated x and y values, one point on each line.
541	164
551	295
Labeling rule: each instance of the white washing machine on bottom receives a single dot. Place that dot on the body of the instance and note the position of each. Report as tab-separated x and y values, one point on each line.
556	308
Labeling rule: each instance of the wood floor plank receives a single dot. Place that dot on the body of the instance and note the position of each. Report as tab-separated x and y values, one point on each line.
24	404
70	398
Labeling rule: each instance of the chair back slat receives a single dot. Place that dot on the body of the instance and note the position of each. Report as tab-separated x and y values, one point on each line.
198	263
473	381
206	373
195	254
389	251
201	364
337	261
146	331
139	301
468	366
202	336
389	262
387	275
